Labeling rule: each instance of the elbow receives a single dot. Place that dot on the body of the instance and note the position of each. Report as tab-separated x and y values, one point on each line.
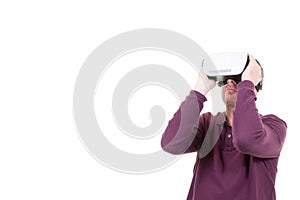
257	150
169	148
176	146
247	143
164	145
179	142
242	145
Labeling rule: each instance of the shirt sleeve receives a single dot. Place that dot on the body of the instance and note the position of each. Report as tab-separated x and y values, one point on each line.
182	134
253	134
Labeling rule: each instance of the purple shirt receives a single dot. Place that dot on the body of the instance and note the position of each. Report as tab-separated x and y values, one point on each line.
233	163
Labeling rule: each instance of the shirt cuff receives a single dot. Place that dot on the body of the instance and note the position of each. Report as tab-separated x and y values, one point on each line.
246	84
199	96
247	87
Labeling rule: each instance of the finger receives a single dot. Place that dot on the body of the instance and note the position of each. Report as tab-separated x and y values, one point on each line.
252	59
212	83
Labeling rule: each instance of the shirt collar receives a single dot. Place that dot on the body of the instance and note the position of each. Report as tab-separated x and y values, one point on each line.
220	118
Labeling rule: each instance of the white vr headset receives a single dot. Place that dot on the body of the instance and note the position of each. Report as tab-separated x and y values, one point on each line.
224	66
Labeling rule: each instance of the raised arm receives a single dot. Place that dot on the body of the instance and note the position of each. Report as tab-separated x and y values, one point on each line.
253	134
183	133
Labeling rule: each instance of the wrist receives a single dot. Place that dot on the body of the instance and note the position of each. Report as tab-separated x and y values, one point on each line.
248	79
246	84
201	88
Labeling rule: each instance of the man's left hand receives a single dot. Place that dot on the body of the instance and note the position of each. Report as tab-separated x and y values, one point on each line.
252	72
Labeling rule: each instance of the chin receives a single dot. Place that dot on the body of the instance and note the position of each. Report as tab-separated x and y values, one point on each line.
230	104
230	101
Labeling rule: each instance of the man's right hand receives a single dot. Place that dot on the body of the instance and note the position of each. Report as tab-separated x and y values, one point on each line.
204	84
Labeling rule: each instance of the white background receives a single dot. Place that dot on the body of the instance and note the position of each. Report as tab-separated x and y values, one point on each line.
42	48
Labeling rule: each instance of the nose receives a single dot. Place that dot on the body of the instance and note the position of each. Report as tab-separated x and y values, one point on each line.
231	81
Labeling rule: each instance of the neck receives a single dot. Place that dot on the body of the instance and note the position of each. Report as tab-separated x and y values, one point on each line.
229	111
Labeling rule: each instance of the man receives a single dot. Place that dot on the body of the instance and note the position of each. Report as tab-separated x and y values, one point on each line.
238	150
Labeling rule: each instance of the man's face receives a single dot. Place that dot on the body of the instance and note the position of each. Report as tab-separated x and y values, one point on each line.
229	92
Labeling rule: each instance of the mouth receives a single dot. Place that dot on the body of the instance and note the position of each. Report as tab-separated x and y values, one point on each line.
231	90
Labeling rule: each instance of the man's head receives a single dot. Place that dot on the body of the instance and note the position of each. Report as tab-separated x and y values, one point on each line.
229	85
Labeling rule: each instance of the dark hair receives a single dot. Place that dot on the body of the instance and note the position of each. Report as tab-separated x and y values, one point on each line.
260	84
